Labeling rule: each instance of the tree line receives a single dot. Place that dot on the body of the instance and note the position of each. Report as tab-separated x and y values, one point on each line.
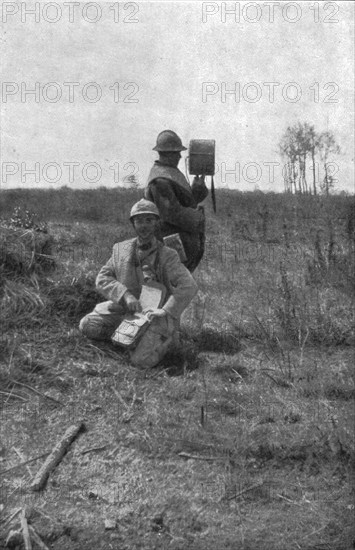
300	144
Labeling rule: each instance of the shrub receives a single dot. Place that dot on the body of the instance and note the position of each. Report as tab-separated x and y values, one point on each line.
24	252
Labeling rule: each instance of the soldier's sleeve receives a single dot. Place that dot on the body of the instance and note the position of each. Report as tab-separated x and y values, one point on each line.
171	211
108	285
183	283
199	190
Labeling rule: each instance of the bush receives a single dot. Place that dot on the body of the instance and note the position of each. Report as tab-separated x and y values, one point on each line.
24	252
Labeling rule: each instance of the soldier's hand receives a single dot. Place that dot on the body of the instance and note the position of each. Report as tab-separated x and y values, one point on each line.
133	305
151	313
199	180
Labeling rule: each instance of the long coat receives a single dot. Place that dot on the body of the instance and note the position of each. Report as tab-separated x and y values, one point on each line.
177	203
122	272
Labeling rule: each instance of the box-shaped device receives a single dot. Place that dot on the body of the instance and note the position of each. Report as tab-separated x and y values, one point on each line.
202	157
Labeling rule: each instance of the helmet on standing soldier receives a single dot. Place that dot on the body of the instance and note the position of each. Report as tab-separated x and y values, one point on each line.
168	141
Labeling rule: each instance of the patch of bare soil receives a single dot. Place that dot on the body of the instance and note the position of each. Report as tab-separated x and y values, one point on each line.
205	451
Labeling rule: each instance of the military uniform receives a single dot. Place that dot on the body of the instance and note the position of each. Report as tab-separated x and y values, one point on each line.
177	203
125	271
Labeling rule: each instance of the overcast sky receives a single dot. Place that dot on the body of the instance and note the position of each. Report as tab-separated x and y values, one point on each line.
160	65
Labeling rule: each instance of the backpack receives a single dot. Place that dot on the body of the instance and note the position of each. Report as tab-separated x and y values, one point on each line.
153	343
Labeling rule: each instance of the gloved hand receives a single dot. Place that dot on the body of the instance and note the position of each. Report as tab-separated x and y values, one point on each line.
199	180
132	303
151	313
199	188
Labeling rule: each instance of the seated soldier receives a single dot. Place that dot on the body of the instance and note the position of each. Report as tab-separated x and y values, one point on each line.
133	263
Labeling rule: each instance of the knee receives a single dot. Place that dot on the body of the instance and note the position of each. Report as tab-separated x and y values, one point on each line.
93	328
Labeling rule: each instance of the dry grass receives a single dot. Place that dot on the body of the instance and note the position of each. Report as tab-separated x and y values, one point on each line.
241	438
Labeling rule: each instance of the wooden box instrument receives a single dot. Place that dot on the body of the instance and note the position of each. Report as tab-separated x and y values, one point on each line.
202	157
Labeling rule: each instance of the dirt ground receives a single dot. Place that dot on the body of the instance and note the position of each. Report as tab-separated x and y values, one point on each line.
164	464
244	439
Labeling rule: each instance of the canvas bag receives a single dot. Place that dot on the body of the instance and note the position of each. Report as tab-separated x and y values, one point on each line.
134	325
174	241
130	330
154	343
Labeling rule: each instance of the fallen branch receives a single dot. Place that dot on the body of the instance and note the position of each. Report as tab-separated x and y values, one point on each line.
114	450
23	463
277	381
56	456
288	500
9	520
120	398
237	373
92	449
37	538
25	531
199	457
10	394
251	488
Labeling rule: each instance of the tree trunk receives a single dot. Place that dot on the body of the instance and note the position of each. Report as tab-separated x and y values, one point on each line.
314	172
304	172
286	178
326	182
300	176
294	177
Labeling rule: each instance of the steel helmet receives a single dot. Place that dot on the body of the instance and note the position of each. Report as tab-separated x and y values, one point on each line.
168	141
144	207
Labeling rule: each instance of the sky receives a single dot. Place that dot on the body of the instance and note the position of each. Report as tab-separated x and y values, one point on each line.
108	77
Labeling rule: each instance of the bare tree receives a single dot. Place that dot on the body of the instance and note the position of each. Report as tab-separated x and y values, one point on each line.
301	146
288	149
296	144
132	181
312	140
327	147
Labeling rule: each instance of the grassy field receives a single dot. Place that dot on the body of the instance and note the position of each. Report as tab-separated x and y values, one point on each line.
242	440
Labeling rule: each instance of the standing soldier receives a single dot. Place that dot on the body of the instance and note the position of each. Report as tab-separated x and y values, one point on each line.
176	200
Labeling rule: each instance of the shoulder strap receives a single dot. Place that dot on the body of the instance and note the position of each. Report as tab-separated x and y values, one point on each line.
124	250
157	262
169	173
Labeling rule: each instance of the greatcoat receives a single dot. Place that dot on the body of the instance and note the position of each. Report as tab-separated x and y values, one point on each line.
177	203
